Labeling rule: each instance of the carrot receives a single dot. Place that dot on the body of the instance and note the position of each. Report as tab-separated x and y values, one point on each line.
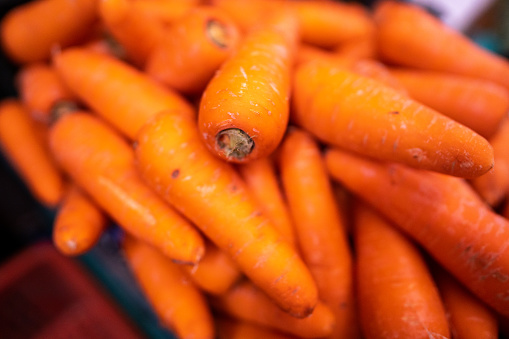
261	179
306	53
79	223
244	109
476	103
41	90
30	32
442	214
193	49
215	273
248	13
177	302
123	96
344	109
238	329
102	164
377	71
173	160
360	48
319	227
248	303
396	292
164	11
438	47
23	146
469	318
106	45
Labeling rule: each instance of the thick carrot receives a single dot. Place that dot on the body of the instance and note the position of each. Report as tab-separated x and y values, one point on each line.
476	103
23	146
363	115
441	213
238	329
469	318
246	302
261	178
174	161
244	109
164	11
248	13
79	223
319	228
360	48
193	48
396	292
30	32
438	47
123	96
101	162
306	53
178	303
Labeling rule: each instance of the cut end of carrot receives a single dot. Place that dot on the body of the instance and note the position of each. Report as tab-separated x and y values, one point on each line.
235	143
217	32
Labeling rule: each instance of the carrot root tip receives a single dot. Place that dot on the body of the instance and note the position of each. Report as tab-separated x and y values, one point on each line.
235	143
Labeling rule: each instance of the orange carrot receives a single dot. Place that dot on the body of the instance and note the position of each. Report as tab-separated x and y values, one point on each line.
30	32
438	47
164	11
193	48
396	292
476	103
360	48
363	115
441	213
261	178
244	109
306	53
238	329
22	146
469	318
248	13
377	71
102	163
246	302
106	45
319	228
122	95
79	223
173	160
177	301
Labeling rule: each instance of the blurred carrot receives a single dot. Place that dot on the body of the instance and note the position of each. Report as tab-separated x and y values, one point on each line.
360	48
106	45
123	96
31	31
79	223
347	110
319	227
377	71
23	146
306	53
173	160
101	162
396	293
164	11
441	213
438	47
178	303
248	13
238	329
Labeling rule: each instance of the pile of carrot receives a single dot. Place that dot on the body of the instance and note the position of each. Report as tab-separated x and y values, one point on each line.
280	169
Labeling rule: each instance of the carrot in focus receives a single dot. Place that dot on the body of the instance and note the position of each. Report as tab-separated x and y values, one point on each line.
23	146
79	223
123	96
193	48
178	303
102	164
396	293
245	107
173	160
238	329
442	214
363	115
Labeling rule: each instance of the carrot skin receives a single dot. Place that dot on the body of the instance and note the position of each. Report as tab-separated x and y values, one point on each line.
238	329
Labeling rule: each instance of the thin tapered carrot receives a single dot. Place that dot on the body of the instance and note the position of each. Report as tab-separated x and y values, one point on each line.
193	48
360	48
476	103
261	178
469	318
173	160
101	162
238	329
31	31
245	107
438	48
216	272
396	293
23	146
79	223
441	213
319	228
123	96
347	110
178	303
246	302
